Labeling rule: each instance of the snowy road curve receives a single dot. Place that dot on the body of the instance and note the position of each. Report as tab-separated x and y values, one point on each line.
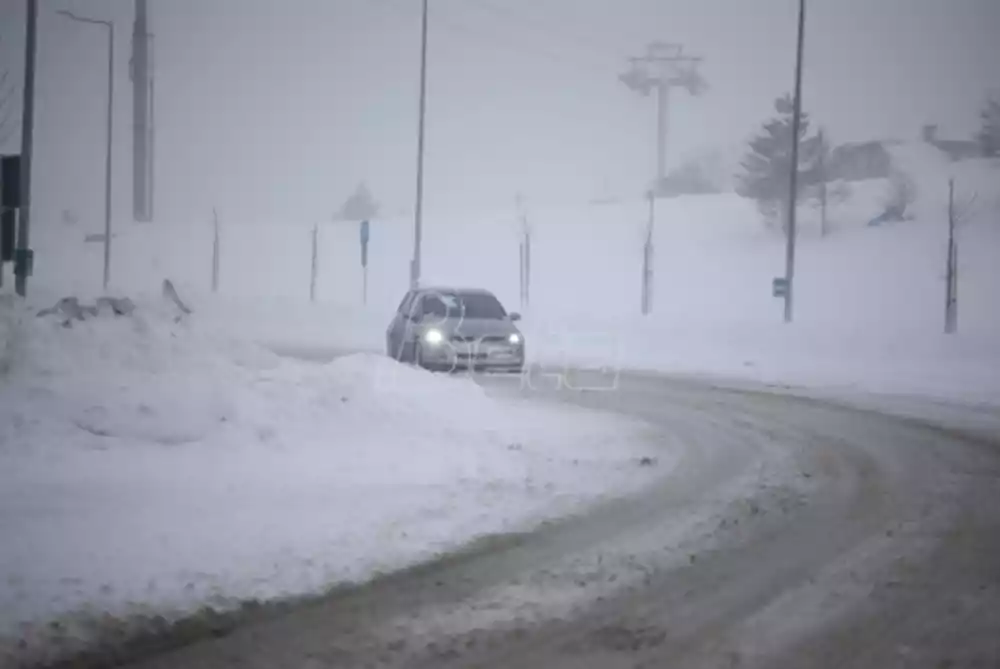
794	532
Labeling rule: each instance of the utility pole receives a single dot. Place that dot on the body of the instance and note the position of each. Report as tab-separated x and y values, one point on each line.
664	66
951	268
793	173
142	116
419	209
109	139
22	258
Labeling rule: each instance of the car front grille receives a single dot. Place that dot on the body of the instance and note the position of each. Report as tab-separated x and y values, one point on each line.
490	339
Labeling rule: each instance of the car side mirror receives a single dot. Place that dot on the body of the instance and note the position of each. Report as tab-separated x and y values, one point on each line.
514	316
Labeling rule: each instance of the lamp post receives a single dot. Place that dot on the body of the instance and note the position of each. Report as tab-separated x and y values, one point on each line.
110	133
418	216
793	175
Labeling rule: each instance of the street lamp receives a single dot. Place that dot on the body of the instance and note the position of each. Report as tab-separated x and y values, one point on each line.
111	111
418	214
793	175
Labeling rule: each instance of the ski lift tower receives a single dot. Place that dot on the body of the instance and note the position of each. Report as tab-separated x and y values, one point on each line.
664	66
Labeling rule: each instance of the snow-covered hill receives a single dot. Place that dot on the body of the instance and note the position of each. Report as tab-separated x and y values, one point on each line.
860	290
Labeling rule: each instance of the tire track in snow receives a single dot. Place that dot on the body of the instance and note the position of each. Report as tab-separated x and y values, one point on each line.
858	475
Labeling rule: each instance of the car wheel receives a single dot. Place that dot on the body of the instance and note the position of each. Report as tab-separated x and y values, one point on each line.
418	355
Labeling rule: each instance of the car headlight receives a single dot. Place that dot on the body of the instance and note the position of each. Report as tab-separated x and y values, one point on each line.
514	338
433	337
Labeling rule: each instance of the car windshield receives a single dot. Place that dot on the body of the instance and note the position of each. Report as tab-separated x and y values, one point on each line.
464	305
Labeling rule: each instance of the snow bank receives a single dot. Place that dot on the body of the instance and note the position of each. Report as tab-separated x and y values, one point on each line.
960	367
153	464
9	319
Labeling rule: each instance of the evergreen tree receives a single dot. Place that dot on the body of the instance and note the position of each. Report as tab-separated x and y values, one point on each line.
766	166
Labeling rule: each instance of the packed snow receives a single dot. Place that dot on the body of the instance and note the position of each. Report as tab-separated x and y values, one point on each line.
869	300
150	463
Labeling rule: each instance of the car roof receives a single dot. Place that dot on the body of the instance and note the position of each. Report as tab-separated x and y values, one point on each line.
453	289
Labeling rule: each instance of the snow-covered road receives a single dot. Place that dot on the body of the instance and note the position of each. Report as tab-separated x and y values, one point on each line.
150	467
792	532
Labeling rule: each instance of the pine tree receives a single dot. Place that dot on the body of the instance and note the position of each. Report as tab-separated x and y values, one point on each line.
989	134
768	162
361	206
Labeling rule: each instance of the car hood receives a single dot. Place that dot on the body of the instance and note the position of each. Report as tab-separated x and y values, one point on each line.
473	328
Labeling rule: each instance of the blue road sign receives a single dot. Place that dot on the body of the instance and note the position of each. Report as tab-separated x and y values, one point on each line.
779	287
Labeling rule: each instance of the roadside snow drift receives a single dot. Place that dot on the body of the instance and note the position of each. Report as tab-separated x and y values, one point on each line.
148	464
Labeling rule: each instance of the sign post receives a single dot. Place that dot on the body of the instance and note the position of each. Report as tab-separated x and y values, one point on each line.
647	259
314	263
365	233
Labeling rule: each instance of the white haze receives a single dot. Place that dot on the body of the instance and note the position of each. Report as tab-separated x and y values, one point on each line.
276	110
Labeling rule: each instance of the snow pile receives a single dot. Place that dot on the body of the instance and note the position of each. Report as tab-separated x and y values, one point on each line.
148	376
9	318
150	464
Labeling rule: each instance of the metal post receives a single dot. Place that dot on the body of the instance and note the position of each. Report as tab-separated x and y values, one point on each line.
822	168
950	301
527	268
141	177
110	134
520	270
108	156
216	250
151	193
314	266
793	178
418	213
662	108
27	148
954	288
647	259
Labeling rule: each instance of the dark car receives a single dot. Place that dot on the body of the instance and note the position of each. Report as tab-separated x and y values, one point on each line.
452	328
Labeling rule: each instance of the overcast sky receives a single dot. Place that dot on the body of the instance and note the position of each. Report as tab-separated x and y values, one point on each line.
275	109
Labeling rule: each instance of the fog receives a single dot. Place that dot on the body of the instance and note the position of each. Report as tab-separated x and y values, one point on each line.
277	110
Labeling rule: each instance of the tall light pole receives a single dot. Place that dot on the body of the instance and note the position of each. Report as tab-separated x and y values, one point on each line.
110	134
418	214
142	115
793	175
21	270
